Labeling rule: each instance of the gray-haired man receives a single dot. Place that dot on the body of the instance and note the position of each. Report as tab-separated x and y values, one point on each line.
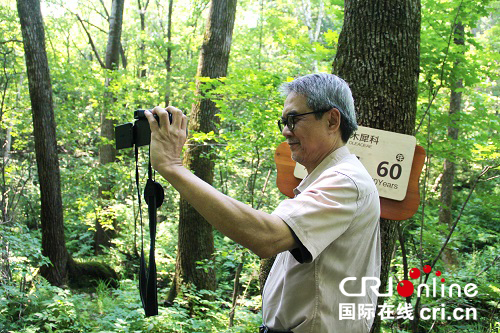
327	233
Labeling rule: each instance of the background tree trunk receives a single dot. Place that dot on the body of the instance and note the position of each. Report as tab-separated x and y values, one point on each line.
447	180
168	62
44	130
142	48
378	55
107	152
63	269
195	234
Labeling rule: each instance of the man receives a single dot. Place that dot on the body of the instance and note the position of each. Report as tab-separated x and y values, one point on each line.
327	233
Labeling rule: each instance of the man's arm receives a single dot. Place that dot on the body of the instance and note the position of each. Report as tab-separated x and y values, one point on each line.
262	233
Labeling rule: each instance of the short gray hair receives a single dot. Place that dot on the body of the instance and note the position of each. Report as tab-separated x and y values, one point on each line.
323	92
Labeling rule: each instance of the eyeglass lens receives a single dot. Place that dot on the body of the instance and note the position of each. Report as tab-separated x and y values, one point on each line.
288	121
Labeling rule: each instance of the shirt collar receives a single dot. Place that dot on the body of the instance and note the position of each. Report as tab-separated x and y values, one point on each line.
335	157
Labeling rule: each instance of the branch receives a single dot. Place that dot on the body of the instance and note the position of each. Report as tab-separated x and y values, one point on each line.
86	21
485	170
488	179
264	189
91	42
424	193
10	41
236	290
105	9
79	51
417	303
441	76
488	267
95	26
403	254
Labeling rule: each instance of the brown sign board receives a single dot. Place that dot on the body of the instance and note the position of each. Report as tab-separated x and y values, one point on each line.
390	209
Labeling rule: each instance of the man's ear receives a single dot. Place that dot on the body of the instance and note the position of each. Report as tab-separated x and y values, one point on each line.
334	119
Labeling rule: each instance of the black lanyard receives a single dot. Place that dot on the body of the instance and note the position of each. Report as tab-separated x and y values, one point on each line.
153	195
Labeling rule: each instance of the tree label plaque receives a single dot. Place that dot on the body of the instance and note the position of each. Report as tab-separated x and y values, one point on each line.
383	163
387	156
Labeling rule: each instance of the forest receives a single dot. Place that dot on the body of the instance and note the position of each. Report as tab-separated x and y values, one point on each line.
72	228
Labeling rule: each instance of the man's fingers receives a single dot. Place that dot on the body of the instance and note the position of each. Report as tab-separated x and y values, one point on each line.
176	116
184	122
179	120
163	115
153	124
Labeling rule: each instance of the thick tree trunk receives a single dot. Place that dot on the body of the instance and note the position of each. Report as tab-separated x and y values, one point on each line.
63	269
446	198
378	55
195	234
107	152
44	130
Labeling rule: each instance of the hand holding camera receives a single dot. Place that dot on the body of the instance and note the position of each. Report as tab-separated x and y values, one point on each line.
166	140
137	133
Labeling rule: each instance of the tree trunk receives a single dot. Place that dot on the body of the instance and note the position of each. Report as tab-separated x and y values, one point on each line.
142	47
378	55
264	270
168	62
63	269
195	234
44	130
446	198
107	152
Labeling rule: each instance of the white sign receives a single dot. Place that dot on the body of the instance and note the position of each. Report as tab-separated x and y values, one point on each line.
387	156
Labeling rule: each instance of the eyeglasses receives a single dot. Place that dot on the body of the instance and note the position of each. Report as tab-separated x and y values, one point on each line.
289	120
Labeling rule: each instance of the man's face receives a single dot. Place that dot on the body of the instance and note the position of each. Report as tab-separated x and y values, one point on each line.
311	140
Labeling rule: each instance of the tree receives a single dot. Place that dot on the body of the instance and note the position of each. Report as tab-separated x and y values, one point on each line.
107	151
167	39
448	175
168	61
378	55
63	268
195	241
142	47
44	130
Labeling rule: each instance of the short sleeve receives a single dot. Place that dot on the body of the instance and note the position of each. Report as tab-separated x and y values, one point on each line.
320	214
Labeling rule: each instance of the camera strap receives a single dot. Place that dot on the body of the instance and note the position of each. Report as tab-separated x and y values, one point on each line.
153	195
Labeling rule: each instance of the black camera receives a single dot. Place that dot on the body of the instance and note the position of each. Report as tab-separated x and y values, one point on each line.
137	133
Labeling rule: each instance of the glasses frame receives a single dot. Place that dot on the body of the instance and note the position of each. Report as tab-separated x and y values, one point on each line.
289	121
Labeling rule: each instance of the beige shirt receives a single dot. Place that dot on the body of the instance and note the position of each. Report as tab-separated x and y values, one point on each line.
335	215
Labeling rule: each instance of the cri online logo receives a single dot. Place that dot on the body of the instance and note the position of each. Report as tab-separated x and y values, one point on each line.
405	288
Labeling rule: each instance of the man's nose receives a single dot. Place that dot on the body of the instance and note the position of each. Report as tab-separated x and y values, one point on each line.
286	132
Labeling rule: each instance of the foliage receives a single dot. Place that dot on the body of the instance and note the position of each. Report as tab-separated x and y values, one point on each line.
44	308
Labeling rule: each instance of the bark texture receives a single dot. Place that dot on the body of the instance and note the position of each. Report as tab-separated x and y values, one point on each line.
63	270
44	130
448	178
168	61
378	55
107	152
195	234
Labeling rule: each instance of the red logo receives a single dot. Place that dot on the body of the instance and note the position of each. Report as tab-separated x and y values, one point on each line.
405	288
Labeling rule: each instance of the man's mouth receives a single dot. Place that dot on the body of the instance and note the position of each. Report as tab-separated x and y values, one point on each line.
293	143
